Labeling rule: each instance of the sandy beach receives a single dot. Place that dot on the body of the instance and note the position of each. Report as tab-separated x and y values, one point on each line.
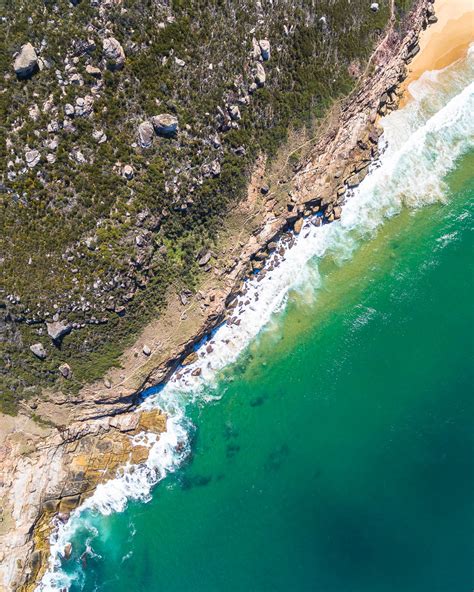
446	40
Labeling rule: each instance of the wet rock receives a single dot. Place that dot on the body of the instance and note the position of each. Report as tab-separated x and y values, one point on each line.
145	134
58	329
67	551
165	124
38	350
298	225
190	359
26	62
113	53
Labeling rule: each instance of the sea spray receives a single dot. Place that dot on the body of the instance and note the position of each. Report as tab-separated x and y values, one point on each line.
419	147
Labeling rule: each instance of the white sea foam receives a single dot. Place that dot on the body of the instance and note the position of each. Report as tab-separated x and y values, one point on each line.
420	146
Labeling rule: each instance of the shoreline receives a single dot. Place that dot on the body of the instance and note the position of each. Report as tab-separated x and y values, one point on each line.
338	162
445	41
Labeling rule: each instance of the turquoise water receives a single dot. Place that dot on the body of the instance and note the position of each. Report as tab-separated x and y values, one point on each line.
336	453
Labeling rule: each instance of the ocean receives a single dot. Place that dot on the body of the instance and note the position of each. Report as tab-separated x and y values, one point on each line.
327	444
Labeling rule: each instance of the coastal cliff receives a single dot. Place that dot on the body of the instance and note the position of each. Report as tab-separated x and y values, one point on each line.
50	467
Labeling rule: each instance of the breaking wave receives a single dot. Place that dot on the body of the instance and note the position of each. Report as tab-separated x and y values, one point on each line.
419	146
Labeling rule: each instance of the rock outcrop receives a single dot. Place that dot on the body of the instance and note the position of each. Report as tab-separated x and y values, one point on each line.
54	471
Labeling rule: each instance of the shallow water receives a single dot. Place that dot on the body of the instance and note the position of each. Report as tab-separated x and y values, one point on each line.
336	452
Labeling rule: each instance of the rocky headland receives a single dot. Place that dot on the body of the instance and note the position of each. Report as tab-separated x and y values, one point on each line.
56	451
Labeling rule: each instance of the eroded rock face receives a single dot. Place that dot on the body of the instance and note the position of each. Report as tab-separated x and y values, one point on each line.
44	472
113	53
26	62
165	124
145	134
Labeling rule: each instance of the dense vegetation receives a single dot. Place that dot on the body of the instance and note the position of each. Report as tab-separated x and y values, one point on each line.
78	238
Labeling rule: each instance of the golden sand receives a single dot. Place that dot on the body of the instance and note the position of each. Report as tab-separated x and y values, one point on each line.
445	41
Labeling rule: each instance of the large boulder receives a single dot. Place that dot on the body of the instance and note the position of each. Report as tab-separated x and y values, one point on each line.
145	134
58	329
26	62
38	350
165	124
113	53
